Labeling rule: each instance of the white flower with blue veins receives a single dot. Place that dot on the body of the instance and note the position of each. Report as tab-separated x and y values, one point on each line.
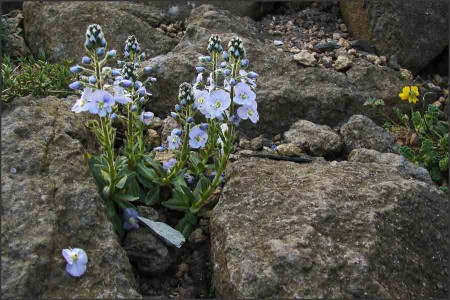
217	103
76	261
244	94
82	104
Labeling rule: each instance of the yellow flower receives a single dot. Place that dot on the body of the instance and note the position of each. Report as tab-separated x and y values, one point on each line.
410	93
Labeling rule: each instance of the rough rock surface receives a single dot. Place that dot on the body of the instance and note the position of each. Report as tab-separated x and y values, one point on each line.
328	230
50	202
416	31
15	43
42	23
318	140
148	253
324	96
402	164
362	132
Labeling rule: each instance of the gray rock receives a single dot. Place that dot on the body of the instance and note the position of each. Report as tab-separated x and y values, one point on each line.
342	63
147	252
50	202
364	45
42	23
389	25
362	132
15	45
257	143
306	58
329	46
289	149
402	164
328	230
168	125
319	140
148	212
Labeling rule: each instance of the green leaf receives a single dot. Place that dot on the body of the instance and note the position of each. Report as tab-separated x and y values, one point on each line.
133	188
145	182
125	197
152	196
188	194
122	182
146	172
153	163
176	204
187	223
407	152
435	174
443	164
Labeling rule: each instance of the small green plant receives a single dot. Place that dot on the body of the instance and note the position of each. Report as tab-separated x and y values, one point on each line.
35	76
432	133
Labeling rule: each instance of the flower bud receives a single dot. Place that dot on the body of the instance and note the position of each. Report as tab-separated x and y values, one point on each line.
183	102
214	44
147	70
111	54
227	72
86	60
103	42
204	126
94	37
208	58
142	100
133	107
76	85
115	72
126	83
113	116
190	120
92	79
142	56
200	69
236	48
223	64
244	62
76	69
178	132
137	85
225	56
252	75
232	82
142	91
173	115
186	92
160	148
101	51
178	107
132	45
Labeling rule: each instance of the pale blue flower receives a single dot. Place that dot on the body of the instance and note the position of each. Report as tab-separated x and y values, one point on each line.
252	75
168	165
174	140
160	148
217	102
130	219
248	112
244	94
197	137
101	103
121	95
146	117
200	69
244	62
82	104
126	83
76	261
201	97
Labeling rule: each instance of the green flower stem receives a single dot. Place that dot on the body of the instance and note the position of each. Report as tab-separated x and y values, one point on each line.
216	181
109	150
233	75
184	150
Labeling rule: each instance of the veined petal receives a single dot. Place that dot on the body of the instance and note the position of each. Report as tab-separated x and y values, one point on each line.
76	269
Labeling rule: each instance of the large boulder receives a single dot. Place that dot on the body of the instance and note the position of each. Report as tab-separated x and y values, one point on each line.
43	29
50	202
286	91
319	140
328	230
362	132
416	31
